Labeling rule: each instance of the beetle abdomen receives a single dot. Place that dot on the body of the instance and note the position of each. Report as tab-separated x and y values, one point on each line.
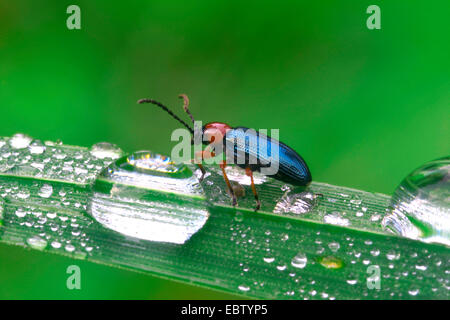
244	145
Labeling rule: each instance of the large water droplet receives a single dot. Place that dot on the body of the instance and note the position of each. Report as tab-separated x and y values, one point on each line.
141	196
421	204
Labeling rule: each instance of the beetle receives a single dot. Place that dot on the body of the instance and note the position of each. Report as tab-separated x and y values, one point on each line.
291	166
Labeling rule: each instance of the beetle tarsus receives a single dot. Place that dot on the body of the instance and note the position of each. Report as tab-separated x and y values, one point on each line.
223	164
249	173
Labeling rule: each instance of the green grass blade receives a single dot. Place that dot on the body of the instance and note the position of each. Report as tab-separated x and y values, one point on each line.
280	252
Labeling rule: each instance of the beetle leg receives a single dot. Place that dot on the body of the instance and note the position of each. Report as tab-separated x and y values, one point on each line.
249	173
223	164
198	157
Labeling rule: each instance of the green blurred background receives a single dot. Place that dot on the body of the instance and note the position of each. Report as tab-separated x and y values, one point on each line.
363	107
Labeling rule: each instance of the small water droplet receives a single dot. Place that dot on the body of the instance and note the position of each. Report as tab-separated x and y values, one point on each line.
282	267
69	248
45	191
56	244
336	219
392	255
37	243
239	217
20	141
269	260
334	246
414	292
20	213
299	261
23	194
104	150
36	147
244	288
421	267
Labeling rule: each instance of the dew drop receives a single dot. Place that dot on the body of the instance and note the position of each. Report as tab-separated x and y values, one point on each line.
104	150
141	214
56	244
336	219
414	292
20	213
239	217
269	260
37	243
392	255
36	147
69	248
45	191
334	246
421	204
20	141
244	288
421	267
299	261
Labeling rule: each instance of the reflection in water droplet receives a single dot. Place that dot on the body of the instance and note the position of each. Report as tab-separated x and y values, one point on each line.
331	262
299	261
421	204
37	243
104	150
20	141
127	199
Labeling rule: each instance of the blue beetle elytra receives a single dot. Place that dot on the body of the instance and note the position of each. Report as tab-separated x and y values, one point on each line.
291	166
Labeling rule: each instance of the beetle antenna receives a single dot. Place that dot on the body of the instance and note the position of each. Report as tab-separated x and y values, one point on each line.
159	104
186	105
